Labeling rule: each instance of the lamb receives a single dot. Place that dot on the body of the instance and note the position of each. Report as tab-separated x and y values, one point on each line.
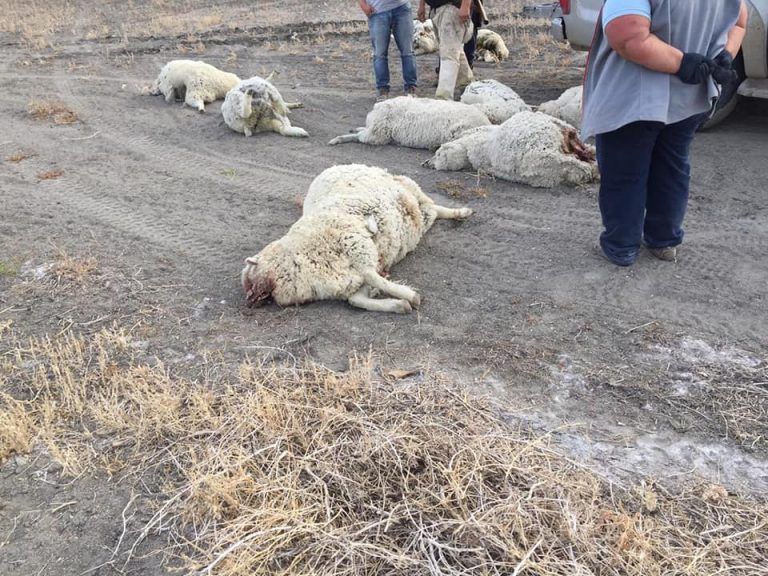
491	46
197	83
567	107
531	148
255	105
424	38
415	123
358	221
494	99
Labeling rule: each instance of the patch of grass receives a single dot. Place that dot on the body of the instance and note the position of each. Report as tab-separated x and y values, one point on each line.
50	174
53	110
19	156
295	469
8	268
72	269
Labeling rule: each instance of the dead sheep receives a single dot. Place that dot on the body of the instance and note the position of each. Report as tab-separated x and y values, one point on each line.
358	221
530	148
255	105
497	101
195	82
490	46
415	123
424	38
567	107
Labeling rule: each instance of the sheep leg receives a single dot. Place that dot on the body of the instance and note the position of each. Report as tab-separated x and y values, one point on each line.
293	105
283	126
444	213
345	138
373	279
170	96
194	101
361	299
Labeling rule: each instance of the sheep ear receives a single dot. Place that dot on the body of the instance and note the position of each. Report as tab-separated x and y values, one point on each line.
251	260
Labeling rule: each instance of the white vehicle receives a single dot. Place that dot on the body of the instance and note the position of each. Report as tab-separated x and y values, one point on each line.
575	20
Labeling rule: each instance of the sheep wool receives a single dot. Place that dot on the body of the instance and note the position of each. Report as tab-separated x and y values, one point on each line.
415	123
567	107
530	148
494	99
255	105
424	38
357	222
491	47
197	83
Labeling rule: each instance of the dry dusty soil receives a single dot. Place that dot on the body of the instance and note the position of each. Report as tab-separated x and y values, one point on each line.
659	369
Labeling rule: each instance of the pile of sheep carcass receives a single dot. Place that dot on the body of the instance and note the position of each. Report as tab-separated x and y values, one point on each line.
252	105
492	130
358	221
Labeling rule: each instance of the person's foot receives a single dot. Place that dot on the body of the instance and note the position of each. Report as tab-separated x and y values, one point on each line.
410	91
667	254
382	94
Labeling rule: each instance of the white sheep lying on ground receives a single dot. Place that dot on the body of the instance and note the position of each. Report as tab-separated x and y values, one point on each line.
358	221
424	38
567	107
197	83
255	105
531	148
494	99
415	123
491	46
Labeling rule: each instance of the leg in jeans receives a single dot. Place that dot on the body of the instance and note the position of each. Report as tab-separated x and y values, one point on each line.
624	158
402	30
668	184
470	48
379	26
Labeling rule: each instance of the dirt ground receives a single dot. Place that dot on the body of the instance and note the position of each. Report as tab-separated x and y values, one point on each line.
658	370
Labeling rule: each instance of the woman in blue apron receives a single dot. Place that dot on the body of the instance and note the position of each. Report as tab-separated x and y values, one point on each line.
655	68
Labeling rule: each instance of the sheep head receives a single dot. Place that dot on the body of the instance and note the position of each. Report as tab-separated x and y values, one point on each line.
573	145
258	282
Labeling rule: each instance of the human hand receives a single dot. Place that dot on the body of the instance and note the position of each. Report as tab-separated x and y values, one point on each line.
695	68
464	13
421	14
367	9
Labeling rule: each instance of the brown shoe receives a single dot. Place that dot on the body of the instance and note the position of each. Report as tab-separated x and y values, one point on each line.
410	91
382	95
668	254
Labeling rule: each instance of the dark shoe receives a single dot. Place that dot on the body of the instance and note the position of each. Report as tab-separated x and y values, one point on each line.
597	250
382	95
410	91
668	254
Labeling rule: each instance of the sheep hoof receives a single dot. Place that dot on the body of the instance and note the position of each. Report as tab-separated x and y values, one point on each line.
404	307
416	300
463	213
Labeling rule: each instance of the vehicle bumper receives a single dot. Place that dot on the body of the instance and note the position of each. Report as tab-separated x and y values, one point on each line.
754	88
557	29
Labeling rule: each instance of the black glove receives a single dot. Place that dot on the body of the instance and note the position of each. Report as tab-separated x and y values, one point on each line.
695	68
724	76
724	60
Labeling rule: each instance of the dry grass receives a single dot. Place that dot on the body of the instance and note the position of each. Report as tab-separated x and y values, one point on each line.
53	110
293	469
50	174
19	157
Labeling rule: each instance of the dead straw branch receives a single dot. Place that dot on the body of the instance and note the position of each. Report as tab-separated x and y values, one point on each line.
300	470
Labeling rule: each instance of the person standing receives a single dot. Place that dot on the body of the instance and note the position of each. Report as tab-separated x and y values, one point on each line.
393	17
654	71
453	27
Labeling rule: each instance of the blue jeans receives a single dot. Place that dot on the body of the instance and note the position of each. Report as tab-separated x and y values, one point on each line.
644	178
399	23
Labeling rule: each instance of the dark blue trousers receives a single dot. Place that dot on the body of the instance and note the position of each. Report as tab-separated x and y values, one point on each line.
644	178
